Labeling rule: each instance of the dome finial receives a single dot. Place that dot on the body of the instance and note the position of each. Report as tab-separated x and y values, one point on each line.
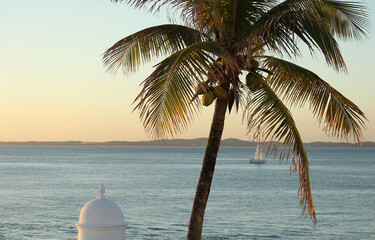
101	192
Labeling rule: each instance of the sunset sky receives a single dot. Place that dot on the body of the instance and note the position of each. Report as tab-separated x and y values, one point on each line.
54	86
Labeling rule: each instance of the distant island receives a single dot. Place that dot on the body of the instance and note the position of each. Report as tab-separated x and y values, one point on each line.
197	142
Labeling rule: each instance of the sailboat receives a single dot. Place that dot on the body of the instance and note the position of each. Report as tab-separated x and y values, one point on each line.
258	155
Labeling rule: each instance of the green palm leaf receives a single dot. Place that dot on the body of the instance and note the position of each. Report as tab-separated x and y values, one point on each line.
314	22
347	20
299	85
164	102
139	48
280	27
267	112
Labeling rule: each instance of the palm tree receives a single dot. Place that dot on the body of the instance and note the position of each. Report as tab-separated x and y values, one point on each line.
221	39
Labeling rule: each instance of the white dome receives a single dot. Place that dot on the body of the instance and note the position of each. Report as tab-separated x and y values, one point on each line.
101	212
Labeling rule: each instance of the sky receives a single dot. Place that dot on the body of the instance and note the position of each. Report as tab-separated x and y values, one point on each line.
54	86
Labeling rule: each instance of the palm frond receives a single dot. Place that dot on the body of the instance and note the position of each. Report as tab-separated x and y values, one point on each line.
267	112
164	102
139	48
283	24
342	118
346	19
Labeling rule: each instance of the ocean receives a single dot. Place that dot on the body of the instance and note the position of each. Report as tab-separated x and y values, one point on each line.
43	189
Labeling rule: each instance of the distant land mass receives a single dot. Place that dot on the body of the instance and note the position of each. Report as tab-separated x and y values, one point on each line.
197	142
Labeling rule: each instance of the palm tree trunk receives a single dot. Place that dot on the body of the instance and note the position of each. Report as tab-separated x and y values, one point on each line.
207	172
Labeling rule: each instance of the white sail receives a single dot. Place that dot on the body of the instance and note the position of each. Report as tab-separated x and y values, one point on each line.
258	155
257	152
261	154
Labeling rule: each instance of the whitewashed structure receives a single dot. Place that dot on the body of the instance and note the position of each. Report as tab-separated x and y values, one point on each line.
101	219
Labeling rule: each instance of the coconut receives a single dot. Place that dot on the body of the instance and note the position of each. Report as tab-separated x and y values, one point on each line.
220	92
252	81
208	98
254	64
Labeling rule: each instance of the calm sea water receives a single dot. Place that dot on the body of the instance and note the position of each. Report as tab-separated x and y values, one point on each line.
43	189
